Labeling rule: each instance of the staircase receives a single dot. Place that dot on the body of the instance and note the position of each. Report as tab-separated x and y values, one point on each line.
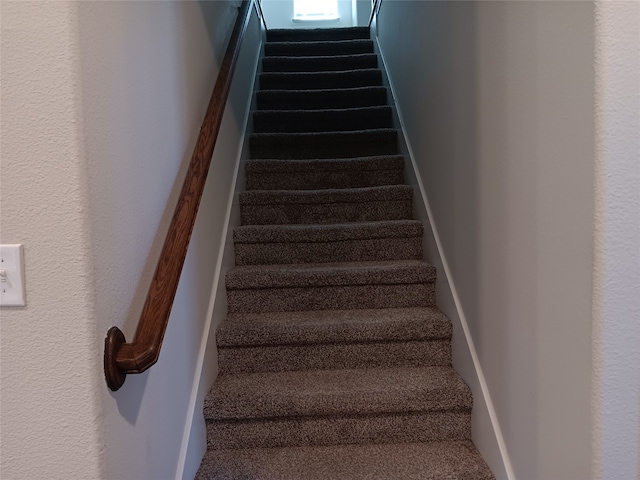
334	361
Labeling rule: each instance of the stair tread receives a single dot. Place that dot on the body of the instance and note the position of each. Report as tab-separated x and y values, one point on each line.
355	250
328	73
327	120
319	47
348	72
303	63
323	91
347	41
338	144
397	272
300	35
301	58
321	98
333	326
308	80
322	112
327	232
331	356
324	174
381	162
336	393
332	195
323	144
338	339
418	461
374	132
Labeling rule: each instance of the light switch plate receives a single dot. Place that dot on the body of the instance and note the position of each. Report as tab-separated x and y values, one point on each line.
12	291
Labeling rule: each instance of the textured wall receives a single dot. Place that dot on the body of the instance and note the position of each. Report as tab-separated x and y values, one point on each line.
51	421
497	98
101	106
616	316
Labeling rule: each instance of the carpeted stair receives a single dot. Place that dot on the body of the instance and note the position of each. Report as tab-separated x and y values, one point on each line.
334	361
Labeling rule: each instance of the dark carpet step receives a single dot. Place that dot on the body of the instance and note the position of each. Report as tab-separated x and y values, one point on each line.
333	339
330	274
316	34
356	242
333	407
434	426
324	174
332	326
382	249
371	77
280	207
319	99
416	461
319	63
362	143
324	340
318	48
336	393
284	358
330	286
349	119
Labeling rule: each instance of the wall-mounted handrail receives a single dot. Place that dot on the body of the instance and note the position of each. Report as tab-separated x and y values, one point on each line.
121	357
374	10
261	14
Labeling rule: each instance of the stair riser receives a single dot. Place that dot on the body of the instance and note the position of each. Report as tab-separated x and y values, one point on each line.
325	213
314	35
343	251
321	80
334	356
320	48
323	180
319	64
310	100
307	147
309	121
330	298
406	428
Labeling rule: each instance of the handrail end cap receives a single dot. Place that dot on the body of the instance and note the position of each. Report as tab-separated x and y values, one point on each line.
113	375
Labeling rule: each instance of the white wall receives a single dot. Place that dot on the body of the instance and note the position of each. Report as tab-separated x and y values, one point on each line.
51	421
101	107
616	319
363	8
497	98
279	14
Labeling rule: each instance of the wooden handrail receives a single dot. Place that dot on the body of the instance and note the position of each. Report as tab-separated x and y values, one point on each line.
374	10
258	4
120	357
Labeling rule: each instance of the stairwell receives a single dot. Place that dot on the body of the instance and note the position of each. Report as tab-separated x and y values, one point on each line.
334	361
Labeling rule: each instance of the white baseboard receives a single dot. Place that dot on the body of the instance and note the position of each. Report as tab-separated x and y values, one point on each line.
466	361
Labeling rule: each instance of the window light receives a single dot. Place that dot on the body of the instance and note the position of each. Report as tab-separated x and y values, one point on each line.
315	9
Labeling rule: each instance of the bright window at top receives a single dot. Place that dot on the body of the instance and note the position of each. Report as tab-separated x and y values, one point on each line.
315	9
